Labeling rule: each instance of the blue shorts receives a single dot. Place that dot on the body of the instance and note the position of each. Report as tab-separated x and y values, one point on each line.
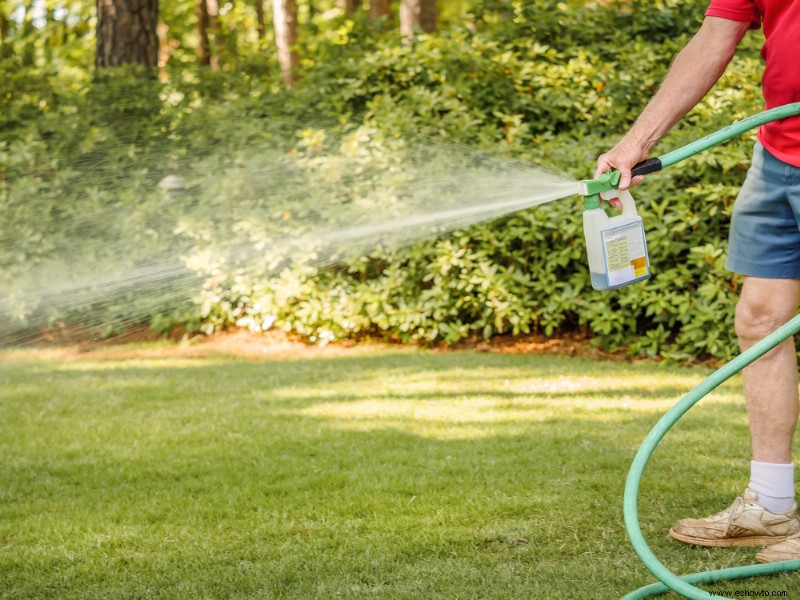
764	237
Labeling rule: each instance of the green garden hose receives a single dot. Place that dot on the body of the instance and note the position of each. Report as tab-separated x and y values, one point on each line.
610	180
591	190
652	165
683	585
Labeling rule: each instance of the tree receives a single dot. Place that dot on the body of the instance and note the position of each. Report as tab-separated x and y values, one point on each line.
349	7
203	50
417	14
4	25
261	21
208	21
218	57
285	19
379	8
127	33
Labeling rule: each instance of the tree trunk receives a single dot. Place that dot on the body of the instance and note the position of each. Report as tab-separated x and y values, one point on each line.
417	14
379	8
127	33
29	48
3	28
5	25
285	18
218	57
349	7
203	50
3	22
261	21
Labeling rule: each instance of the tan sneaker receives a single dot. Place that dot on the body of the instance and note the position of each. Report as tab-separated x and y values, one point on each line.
744	523
788	549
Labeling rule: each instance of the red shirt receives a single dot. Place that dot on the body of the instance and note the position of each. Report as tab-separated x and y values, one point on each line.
781	52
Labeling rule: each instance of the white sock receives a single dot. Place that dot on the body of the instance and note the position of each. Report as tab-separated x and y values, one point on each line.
774	485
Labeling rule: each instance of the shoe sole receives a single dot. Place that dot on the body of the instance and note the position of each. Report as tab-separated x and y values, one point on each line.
761	540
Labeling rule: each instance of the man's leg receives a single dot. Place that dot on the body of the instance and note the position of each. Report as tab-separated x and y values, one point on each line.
770	388
765	514
770	383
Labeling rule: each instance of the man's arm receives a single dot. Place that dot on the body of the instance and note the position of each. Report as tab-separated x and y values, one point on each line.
693	73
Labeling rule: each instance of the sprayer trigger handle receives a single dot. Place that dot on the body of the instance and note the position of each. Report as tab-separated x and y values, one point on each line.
628	203
609	194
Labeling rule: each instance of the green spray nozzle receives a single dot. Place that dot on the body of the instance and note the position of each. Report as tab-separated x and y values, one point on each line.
592	188
606	181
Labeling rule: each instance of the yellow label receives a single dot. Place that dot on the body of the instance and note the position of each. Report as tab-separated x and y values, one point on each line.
625	253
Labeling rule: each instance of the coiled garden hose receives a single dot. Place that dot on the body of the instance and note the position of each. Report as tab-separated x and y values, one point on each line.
669	581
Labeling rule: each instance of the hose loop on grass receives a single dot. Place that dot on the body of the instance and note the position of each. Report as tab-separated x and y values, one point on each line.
669	581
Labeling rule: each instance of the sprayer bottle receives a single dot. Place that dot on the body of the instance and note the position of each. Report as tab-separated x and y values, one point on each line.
616	245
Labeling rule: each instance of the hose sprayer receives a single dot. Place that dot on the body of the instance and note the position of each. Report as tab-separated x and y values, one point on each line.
616	246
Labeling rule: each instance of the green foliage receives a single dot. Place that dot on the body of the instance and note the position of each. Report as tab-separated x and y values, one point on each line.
554	83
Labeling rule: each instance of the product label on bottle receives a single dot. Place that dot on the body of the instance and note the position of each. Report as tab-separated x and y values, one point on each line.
626	253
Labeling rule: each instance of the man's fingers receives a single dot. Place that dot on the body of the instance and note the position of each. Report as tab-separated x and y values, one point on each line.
625	179
615	202
621	160
602	167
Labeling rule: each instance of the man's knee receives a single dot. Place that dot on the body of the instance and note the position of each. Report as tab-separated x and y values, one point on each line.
758	315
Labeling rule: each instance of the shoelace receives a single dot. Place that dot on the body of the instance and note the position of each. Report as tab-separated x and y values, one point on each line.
733	512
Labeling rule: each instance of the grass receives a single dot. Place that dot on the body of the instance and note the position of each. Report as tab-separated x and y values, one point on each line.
366	474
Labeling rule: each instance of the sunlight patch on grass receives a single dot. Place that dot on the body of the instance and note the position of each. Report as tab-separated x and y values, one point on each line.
502	382
647	384
480	416
140	364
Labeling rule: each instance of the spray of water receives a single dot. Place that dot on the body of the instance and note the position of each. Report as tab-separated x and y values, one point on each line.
104	246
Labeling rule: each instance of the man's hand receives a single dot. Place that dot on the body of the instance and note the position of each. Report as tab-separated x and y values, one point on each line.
623	157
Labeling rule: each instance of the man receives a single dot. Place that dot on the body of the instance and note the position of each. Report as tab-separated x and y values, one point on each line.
764	246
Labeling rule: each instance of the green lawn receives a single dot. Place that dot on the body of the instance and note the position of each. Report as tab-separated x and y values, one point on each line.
364	474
